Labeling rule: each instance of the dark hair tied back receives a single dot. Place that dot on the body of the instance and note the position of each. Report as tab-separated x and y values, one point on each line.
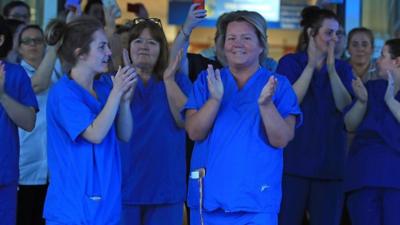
54	31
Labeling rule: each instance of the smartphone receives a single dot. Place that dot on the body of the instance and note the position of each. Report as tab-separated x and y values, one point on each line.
201	2
72	5
113	4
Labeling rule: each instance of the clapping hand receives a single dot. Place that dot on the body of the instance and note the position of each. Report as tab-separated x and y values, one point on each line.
359	90
215	85
268	91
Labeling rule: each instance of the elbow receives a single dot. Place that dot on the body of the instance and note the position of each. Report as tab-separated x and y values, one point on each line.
282	141
125	138
30	125
194	134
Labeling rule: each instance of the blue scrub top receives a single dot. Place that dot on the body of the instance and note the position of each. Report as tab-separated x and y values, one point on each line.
153	161
18	87
85	178
374	158
243	171
319	146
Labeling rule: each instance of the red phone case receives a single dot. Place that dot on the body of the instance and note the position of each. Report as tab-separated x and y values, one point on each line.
201	2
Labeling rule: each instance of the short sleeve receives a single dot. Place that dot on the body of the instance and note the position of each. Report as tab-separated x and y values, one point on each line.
74	115
184	83
198	95
21	88
286	101
289	67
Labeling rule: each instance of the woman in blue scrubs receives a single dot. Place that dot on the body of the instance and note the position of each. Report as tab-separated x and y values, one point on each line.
18	108
314	160
241	117
85	117
153	162
372	179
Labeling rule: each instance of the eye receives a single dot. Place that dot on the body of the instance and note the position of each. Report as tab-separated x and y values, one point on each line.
153	42
138	41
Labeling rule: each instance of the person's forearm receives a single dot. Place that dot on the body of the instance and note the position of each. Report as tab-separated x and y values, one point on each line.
301	85
199	123
23	116
279	130
355	115
124	122
341	96
101	125
181	42
394	107
41	80
176	100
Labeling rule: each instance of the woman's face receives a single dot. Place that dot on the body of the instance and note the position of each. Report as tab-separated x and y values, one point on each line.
99	54
326	33
31	46
242	46
360	48
144	50
385	62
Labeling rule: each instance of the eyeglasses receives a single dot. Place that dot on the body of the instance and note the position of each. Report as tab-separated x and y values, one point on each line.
18	16
141	20
30	41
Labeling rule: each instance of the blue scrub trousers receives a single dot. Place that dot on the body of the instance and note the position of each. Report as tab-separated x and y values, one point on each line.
219	217
374	206
166	214
322	199
8	204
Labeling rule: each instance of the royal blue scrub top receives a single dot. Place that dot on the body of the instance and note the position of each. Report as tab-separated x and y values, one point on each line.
243	171
85	178
318	148
153	161
18	87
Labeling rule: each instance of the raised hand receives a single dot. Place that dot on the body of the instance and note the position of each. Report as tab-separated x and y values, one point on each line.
268	91
215	85
2	79
193	19
312	51
124	81
359	90
169	73
390	90
330	60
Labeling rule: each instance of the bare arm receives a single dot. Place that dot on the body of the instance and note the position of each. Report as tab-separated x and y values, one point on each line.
391	102
23	116
356	114
199	123
194	17
101	125
279	130
340	94
41	80
176	98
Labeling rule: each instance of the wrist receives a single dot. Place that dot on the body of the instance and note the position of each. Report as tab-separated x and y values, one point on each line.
185	33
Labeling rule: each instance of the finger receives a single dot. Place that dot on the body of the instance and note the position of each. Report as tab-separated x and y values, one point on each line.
210	72
217	75
125	57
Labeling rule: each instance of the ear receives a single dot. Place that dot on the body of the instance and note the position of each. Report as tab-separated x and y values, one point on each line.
397	61
2	39
78	55
309	31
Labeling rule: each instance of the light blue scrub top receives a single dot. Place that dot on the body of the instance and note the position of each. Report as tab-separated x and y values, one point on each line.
243	171
85	178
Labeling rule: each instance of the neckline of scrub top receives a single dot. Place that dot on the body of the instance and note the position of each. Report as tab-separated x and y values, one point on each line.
248	83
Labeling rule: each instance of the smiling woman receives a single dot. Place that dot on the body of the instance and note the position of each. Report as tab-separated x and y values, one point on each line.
85	116
153	162
240	117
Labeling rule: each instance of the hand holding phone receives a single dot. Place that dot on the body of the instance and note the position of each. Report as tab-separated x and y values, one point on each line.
201	2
